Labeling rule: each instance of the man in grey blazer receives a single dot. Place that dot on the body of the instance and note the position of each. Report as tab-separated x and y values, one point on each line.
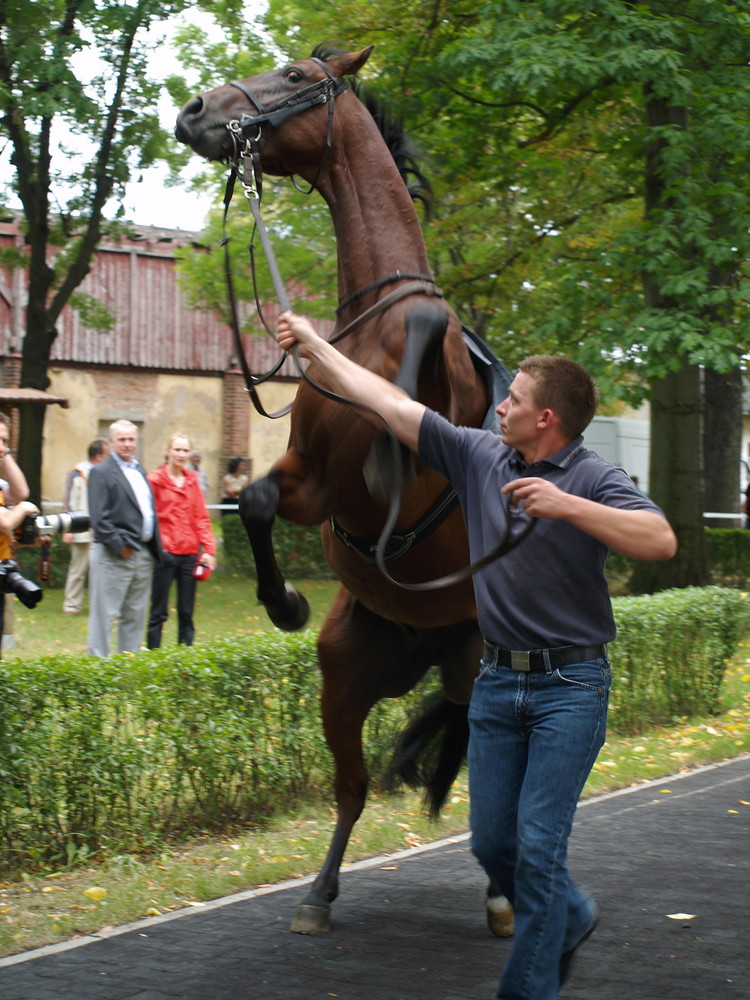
126	543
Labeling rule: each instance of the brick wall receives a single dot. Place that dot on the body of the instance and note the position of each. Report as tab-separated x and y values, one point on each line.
235	418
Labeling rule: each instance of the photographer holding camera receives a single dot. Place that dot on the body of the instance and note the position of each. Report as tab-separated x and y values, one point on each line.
13	490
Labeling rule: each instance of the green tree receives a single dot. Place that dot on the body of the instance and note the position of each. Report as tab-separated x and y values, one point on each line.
79	114
609	143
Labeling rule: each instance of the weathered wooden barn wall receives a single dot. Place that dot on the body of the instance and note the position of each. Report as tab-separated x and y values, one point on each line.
164	364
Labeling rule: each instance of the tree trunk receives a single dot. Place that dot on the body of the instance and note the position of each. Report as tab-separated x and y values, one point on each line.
37	346
676	481
676	461
722	446
30	440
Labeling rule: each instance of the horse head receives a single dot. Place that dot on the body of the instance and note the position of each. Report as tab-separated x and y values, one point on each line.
259	107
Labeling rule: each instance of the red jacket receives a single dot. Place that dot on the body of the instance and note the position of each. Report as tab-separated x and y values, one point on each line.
184	523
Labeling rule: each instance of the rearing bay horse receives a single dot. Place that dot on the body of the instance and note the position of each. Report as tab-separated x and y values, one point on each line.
378	639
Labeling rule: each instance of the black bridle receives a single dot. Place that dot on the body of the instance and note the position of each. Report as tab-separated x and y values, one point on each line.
317	93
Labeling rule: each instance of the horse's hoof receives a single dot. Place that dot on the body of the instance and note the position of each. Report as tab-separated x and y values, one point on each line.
500	916
311	919
291	613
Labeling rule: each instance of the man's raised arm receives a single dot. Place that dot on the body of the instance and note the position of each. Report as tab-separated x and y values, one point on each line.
346	378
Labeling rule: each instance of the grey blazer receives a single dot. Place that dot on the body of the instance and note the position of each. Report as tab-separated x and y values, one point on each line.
116	518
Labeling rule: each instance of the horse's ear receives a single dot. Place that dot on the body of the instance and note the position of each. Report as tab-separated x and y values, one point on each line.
352	62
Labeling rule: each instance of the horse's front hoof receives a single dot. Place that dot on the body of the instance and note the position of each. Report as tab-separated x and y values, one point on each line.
290	613
311	919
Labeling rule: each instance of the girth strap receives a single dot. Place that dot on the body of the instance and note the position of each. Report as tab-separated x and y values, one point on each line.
399	545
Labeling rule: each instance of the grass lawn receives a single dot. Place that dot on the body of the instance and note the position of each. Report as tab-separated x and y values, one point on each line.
225	606
48	906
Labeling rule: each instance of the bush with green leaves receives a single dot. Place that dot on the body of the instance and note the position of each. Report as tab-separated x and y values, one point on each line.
125	752
671	653
298	548
121	754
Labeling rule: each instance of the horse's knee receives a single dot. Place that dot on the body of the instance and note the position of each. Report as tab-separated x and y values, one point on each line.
259	501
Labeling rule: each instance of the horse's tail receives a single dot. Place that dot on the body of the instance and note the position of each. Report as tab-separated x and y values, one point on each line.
431	750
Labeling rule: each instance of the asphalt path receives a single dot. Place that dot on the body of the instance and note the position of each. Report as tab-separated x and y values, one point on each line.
669	863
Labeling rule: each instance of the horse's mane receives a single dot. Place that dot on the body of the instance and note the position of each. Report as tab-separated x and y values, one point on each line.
403	149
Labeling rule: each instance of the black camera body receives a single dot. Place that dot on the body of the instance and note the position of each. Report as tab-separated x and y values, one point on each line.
36	526
12	582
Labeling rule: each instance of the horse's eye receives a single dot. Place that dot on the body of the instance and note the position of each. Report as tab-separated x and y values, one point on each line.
293	76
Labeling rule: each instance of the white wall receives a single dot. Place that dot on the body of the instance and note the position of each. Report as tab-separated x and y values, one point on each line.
623	442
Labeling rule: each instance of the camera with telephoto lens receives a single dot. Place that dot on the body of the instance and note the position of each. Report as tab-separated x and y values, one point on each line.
12	582
36	526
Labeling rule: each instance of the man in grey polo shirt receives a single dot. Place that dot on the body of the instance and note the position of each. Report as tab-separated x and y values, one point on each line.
538	709
126	543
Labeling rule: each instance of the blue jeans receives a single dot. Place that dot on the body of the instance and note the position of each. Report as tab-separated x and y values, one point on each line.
534	739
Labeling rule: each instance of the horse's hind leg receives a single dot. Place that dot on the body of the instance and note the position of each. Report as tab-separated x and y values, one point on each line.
258	504
363	658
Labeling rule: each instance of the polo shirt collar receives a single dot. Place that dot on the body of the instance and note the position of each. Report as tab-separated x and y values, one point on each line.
561	458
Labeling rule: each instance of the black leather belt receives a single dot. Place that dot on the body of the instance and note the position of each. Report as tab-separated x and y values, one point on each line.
541	660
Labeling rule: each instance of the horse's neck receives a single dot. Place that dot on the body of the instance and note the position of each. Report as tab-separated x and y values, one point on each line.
376	225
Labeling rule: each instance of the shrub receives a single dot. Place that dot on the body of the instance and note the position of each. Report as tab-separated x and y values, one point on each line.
728	561
121	754
298	549
128	751
671	653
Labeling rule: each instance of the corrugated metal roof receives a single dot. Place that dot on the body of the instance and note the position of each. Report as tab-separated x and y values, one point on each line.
155	327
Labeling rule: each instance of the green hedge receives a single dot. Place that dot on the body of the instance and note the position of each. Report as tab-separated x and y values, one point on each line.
671	653
120	754
298	549
729	556
728	560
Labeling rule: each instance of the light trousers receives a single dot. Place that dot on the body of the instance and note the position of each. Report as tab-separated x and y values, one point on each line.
75	581
119	589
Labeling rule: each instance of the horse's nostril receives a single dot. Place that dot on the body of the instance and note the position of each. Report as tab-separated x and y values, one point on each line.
186	118
193	107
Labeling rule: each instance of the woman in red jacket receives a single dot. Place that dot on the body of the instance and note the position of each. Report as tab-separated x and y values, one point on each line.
187	538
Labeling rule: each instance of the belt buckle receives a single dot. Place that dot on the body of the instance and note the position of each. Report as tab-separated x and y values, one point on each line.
520	659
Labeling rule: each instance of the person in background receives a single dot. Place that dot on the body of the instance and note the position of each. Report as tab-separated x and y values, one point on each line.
13	491
233	483
187	538
76	498
194	463
538	710
126	545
